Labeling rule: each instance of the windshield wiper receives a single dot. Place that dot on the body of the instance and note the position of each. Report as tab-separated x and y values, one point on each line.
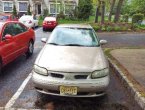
73	45
53	43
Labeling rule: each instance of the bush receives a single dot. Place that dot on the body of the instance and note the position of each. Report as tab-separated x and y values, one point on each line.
28	11
46	12
125	18
137	18
61	15
14	11
117	28
84	9
109	28
96	28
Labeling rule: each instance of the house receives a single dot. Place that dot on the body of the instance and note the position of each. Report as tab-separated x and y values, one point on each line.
38	6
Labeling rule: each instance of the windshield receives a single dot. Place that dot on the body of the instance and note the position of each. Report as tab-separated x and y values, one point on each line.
3	18
25	17
73	37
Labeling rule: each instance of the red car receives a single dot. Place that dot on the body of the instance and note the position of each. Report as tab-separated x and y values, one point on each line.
49	23
7	17
15	39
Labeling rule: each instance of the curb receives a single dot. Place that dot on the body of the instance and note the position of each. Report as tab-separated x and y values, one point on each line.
128	84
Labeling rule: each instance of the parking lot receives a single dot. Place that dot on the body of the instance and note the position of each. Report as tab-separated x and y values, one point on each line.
17	89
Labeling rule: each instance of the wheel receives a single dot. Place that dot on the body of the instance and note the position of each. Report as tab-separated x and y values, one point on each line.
0	67
44	29
34	26
30	49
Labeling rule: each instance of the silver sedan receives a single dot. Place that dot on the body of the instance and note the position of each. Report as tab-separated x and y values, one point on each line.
72	63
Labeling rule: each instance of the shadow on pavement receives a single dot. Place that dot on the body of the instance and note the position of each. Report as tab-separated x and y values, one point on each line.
67	103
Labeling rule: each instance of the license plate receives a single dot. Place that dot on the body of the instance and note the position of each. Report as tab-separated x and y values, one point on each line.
68	90
48	23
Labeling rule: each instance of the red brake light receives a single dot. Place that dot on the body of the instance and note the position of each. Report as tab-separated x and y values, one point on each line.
44	22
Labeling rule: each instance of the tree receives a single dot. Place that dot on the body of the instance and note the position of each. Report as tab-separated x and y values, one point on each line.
103	12
97	11
138	6
28	11
118	10
111	9
14	10
84	9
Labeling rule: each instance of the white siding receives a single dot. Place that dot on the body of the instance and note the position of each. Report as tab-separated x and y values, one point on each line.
1	6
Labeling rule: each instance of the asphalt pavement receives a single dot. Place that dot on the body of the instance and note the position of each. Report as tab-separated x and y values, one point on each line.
17	89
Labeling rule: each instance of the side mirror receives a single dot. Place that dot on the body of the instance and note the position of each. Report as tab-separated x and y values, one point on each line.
44	40
102	42
8	37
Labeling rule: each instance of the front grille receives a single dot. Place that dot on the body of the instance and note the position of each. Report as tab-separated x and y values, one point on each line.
81	76
56	75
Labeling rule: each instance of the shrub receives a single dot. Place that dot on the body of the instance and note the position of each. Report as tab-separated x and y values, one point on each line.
125	18
41	17
103	28
61	15
109	28
45	12
28	11
96	28
117	28
14	11
84	9
137	18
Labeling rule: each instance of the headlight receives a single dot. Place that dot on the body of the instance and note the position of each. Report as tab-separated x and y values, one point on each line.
40	70
100	73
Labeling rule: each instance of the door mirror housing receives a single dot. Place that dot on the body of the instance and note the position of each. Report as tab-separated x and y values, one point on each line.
44	40
8	37
102	42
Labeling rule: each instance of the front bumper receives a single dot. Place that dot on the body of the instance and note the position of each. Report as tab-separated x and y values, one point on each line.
86	87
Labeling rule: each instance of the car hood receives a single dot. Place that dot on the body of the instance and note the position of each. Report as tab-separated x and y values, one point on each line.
71	58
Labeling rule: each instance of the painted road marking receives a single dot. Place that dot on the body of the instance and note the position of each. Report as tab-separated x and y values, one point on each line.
21	88
18	92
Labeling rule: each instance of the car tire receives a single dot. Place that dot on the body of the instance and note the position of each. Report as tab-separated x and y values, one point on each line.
0	66
44	29
30	49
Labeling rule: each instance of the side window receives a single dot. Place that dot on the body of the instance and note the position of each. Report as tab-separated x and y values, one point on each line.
13	17
18	28
9	29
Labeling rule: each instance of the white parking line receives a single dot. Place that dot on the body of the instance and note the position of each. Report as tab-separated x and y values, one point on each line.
18	93
21	88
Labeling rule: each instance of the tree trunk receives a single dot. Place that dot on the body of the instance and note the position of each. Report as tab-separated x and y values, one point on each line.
111	9
97	11
118	10
103	12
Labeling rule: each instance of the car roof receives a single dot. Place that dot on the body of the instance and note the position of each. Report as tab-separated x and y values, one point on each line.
5	14
85	26
3	22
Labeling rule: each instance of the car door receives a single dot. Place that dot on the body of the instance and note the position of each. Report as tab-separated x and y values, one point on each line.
8	46
21	35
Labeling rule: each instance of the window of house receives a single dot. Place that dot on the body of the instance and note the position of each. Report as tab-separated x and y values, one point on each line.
7	6
69	8
53	9
23	6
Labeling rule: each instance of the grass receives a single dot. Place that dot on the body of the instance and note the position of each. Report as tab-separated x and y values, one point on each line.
66	21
